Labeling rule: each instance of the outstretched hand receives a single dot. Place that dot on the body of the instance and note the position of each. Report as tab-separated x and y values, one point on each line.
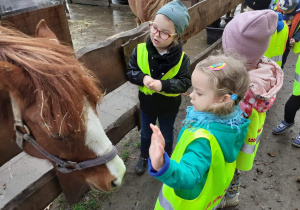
157	148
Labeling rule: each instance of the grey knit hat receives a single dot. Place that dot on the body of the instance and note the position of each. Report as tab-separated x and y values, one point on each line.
177	13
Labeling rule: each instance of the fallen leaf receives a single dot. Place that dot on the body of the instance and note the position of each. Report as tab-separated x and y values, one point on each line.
271	154
259	171
4	186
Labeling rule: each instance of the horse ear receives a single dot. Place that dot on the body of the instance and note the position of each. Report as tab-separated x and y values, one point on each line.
43	31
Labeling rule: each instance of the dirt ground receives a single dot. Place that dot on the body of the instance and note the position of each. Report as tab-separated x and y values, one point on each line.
271	184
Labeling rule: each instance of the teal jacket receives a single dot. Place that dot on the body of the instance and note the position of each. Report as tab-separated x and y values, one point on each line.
193	167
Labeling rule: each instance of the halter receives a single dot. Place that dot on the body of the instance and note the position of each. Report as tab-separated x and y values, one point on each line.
63	166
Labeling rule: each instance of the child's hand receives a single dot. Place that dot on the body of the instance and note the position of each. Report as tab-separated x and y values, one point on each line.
147	80
155	85
292	42
157	148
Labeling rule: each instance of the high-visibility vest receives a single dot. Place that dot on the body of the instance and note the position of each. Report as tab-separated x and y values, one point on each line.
274	5
247	153
296	88
143	63
277	45
296	47
219	176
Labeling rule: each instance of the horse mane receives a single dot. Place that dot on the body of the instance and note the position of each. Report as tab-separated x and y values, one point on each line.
55	80
153	6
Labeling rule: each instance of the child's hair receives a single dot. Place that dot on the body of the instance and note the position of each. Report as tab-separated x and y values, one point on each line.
232	79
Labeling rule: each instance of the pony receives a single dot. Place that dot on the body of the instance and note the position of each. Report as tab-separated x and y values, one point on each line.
145	10
51	100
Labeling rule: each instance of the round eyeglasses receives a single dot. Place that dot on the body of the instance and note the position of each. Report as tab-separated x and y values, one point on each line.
163	35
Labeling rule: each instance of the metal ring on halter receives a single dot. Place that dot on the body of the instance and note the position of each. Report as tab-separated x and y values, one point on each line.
22	125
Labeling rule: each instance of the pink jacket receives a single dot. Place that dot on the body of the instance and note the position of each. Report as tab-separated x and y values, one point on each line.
265	81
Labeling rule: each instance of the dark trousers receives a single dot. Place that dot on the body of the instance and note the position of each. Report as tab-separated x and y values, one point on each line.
286	53
166	125
291	108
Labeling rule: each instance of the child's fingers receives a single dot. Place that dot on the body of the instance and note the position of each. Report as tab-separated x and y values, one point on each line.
154	128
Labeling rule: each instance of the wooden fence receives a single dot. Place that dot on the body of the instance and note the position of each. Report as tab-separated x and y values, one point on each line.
119	110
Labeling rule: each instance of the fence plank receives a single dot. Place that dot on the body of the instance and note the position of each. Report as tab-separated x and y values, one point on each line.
106	59
205	13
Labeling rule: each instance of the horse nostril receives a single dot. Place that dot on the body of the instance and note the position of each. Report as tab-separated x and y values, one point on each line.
114	183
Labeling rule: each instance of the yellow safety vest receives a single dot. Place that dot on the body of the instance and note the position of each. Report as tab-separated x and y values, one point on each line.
142	61
296	47
275	5
247	153
296	88
277	45
215	186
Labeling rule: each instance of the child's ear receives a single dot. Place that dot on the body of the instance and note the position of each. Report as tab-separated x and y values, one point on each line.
225	98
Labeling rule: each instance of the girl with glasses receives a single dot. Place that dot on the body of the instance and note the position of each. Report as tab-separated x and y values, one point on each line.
161	70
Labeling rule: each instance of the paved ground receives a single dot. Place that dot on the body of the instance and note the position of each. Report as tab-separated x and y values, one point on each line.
271	184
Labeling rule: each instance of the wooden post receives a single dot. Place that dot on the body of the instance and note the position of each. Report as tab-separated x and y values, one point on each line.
21	16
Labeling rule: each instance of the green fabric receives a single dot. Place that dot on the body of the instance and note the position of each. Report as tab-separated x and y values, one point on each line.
214	188
247	153
194	172
296	88
296	47
277	45
143	63
177	13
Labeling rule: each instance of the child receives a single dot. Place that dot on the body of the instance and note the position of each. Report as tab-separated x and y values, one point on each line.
248	34
291	14
161	70
293	103
203	162
279	37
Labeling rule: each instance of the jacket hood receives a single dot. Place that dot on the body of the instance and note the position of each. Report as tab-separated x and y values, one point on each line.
266	80
229	130
230	139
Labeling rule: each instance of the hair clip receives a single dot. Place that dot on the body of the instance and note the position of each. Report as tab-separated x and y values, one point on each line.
217	67
233	97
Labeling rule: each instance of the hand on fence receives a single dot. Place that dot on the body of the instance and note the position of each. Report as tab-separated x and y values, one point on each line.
157	148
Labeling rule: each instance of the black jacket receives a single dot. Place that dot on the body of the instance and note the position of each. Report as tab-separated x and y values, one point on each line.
157	104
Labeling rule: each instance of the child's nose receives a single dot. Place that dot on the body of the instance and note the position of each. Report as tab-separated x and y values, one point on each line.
191	94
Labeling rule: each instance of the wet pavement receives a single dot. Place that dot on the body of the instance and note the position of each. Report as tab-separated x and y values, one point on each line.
93	24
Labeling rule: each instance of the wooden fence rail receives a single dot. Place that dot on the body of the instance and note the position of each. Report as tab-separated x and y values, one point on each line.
118	111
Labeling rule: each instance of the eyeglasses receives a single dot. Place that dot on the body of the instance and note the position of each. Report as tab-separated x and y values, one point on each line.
163	35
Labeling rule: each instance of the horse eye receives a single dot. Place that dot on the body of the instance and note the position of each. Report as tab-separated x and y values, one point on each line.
56	137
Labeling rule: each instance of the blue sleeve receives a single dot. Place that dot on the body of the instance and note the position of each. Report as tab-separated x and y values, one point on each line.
190	171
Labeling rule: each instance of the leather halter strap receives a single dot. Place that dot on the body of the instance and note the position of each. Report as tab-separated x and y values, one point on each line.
63	166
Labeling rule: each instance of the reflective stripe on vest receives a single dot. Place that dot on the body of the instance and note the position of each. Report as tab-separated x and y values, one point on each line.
143	63
214	187
250	149
276	58
277	45
296	88
164	203
247	154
